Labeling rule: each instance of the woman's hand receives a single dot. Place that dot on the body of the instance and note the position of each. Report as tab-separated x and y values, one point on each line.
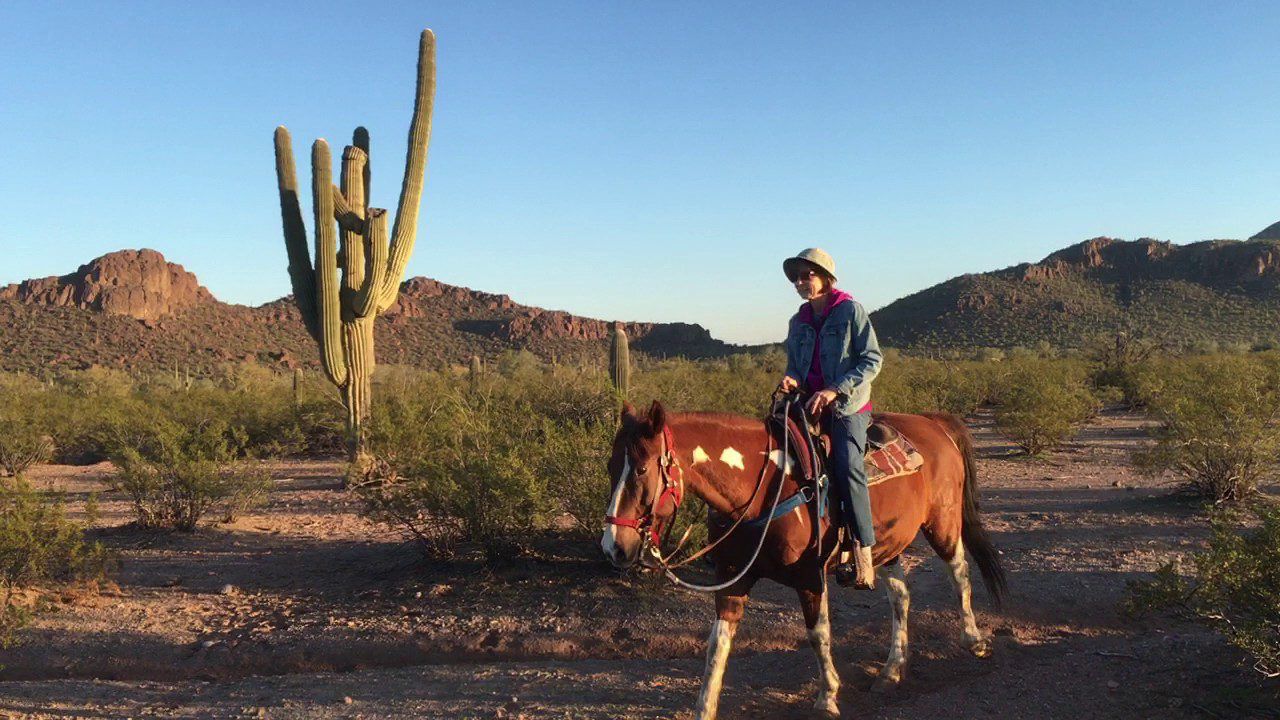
788	384
819	401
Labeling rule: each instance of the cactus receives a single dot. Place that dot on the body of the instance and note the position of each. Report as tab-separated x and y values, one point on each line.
339	313
620	362
297	388
474	371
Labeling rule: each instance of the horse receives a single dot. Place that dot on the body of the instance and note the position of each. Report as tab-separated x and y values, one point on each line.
657	457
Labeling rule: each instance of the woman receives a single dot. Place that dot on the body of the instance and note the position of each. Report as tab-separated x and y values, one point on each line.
832	354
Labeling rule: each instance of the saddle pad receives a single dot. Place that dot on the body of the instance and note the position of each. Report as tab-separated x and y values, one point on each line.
894	458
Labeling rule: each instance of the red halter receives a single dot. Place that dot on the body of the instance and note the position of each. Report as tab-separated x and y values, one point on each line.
673	488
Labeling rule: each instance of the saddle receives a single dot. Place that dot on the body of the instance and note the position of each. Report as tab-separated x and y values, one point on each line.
889	454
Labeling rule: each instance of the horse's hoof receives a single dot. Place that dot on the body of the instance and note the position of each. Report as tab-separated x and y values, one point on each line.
886	682
981	648
826	709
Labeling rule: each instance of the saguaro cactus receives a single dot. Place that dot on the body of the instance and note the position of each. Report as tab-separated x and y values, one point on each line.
620	362
339	314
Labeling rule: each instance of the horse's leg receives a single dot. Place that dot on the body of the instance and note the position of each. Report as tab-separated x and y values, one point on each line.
818	621
895	586
959	567
729	610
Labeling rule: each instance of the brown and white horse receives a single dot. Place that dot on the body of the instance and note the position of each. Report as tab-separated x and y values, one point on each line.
720	458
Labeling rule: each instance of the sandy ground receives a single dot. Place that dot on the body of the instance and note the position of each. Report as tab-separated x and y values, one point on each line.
304	610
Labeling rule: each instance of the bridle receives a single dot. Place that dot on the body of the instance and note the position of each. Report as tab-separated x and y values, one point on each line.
672	487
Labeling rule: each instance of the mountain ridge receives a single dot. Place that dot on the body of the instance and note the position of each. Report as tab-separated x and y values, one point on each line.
134	309
1208	291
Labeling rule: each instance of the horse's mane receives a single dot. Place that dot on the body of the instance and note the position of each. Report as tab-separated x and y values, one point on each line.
720	418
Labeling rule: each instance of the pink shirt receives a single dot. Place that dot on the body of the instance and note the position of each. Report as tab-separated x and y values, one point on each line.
813	381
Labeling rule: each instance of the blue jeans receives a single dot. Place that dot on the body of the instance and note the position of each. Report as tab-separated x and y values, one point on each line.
848	475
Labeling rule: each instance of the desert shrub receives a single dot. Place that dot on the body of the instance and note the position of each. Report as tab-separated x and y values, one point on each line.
1125	363
1235	587
914	385
175	472
37	544
1217	428
575	456
464	466
1041	402
25	424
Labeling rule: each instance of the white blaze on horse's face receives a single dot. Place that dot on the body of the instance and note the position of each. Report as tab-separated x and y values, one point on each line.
609	542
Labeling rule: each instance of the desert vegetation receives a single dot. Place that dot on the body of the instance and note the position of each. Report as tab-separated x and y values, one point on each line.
496	458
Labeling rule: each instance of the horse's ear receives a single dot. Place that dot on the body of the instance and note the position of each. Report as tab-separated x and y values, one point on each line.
628	415
657	418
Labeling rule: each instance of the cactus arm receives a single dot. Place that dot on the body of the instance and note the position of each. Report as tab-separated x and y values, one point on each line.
360	138
415	167
342	212
330	319
365	299
352	243
301	277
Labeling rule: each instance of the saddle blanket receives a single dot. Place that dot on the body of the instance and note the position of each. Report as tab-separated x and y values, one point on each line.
892	459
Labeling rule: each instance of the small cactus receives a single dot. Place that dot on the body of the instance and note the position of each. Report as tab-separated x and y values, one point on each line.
620	363
474	372
297	388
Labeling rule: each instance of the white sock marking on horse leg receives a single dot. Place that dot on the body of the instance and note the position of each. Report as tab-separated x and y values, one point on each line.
895	586
609	540
717	657
732	458
820	641
959	568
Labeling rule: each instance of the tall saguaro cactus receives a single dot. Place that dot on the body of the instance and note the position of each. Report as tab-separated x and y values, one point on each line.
620	362
348	233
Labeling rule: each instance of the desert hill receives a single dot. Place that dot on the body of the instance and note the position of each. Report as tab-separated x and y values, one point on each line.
1224	291
134	309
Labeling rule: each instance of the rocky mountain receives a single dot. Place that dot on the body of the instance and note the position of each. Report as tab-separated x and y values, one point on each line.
1223	291
134	309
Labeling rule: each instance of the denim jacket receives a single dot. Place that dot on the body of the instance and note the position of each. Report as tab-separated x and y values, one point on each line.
850	355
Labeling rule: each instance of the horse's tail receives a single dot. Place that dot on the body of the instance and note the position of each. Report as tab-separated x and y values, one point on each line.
975	537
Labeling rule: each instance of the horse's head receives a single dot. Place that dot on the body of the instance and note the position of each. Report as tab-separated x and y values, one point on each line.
647	485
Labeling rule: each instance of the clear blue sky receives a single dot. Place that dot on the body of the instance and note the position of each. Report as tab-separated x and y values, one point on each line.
645	160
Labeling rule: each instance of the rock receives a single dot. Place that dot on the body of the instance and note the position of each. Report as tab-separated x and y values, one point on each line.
228	589
346	699
137	283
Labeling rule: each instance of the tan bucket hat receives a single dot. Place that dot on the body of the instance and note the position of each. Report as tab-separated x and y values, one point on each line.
811	256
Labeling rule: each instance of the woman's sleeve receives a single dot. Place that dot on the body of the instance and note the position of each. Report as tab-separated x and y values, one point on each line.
866	352
792	370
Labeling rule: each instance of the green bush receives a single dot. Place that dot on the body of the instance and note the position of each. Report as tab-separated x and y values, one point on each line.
1218	427
25	424
175	472
1125	363
519	454
1235	588
37	544
1041	402
461	466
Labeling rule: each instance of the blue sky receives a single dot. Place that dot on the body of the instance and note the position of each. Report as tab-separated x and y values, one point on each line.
645	160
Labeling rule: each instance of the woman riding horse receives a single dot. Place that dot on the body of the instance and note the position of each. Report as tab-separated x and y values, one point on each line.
832	353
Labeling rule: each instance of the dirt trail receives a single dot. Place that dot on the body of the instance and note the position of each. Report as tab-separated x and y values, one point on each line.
304	610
